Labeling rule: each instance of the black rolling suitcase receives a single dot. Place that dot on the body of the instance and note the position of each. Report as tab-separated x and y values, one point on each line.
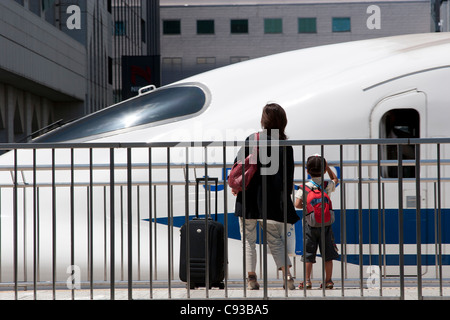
204	235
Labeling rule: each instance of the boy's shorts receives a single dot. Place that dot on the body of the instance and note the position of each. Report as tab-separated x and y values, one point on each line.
313	240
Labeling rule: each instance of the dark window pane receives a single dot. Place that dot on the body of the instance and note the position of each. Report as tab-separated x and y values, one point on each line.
157	106
120	28
273	25
239	26
172	27
205	27
341	25
307	25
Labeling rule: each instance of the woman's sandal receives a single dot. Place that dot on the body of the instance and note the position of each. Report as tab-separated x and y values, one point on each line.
308	285
328	285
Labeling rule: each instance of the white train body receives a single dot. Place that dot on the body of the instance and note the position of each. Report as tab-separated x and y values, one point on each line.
335	92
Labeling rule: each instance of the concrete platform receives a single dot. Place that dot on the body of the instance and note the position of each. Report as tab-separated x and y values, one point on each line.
234	291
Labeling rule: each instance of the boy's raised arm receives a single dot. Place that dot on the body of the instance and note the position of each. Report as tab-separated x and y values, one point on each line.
332	175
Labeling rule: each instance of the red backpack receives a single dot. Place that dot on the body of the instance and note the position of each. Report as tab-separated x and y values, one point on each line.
314	206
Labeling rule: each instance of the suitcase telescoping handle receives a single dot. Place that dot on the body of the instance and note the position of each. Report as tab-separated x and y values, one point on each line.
208	181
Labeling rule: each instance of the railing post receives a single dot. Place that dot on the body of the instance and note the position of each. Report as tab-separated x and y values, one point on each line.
112	225
379	173
439	222
418	222
130	224
15	229
360	222
225	216
54	224
400	221
150	217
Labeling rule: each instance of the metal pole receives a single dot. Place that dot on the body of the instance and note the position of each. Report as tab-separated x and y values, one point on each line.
322	227
285	202
360	222
187	237
225	217
264	258
418	226
439	226
112	224
35	227
304	218
150	217
207	236
72	217
342	198
130	225
53	225
243	221
379	172
15	228
169	227
400	221
91	222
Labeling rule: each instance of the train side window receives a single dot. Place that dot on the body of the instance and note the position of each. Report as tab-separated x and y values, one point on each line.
399	123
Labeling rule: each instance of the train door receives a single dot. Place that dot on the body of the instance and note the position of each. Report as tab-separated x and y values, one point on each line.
401	115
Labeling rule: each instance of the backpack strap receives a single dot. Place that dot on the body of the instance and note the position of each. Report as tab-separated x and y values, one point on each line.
305	188
325	185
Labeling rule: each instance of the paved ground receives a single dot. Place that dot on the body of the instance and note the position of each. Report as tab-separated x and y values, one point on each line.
178	291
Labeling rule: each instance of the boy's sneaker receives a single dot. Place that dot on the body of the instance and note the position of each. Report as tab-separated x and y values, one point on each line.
252	283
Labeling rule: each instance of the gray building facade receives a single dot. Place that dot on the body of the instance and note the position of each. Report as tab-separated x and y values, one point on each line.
200	35
42	71
53	63
62	59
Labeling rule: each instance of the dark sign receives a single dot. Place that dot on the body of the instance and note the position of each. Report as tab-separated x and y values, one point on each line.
139	72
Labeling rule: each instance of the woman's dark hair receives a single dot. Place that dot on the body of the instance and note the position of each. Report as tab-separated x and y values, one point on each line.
274	117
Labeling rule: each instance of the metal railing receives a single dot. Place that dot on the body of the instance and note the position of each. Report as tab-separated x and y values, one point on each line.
41	242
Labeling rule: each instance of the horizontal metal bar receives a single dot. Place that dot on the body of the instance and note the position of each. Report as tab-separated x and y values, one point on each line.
144	166
192	183
346	142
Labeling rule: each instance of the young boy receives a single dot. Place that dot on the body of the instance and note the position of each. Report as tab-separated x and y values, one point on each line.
313	234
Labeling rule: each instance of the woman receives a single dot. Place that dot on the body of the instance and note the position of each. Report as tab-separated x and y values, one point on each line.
274	122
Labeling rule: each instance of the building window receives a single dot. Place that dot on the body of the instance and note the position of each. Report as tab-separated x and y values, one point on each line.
35	7
172	62
205	26
110	70
171	27
206	60
273	26
238	59
239	26
120	28
307	25
143	31
341	25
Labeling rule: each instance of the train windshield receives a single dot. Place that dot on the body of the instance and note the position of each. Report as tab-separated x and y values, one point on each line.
156	107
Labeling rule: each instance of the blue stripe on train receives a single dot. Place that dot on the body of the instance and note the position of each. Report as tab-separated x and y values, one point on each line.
394	259
369	231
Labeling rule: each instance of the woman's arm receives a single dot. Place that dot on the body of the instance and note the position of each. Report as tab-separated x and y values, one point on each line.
298	203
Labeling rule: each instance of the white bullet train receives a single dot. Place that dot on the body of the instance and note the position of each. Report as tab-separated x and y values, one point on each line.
380	88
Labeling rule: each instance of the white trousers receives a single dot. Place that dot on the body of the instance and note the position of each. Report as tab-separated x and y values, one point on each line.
275	241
